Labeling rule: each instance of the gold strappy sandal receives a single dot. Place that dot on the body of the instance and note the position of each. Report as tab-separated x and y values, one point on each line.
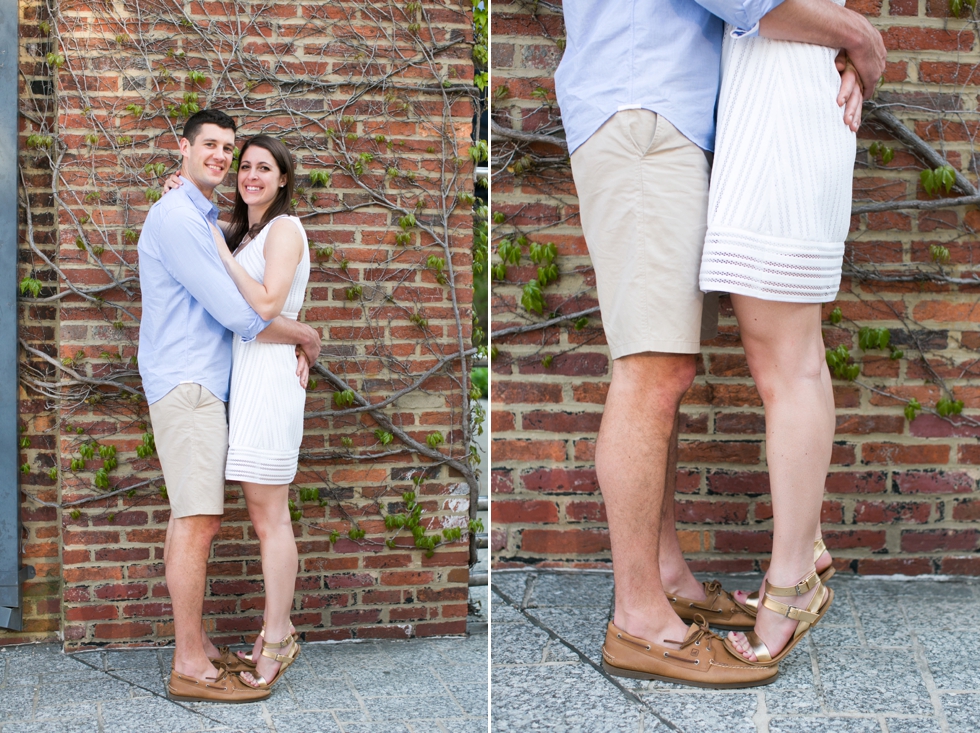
806	617
291	655
246	657
819	548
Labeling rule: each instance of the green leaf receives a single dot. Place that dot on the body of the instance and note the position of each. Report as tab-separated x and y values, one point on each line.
319	178
836	316
547	274
547	361
928	179
912	409
344	399
436	264
888	155
478	153
309	494
946	176
383	436
939	254
531	297
435	439
30	285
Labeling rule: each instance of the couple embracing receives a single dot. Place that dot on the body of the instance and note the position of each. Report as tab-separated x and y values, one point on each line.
220	303
638	86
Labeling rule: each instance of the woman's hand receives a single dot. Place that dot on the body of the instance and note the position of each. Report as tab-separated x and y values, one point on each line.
302	368
174	181
851	94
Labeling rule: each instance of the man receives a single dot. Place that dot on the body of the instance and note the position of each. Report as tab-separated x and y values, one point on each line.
637	86
190	309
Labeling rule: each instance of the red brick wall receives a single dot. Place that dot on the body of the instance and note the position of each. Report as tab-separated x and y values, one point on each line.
901	497
393	133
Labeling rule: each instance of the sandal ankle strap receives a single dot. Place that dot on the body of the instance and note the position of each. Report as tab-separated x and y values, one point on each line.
790	612
811	581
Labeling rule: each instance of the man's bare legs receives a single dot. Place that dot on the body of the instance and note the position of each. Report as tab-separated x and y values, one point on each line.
784	346
209	648
185	554
632	455
675	575
268	508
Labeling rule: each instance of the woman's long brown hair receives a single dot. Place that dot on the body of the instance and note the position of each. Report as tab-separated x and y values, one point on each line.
281	204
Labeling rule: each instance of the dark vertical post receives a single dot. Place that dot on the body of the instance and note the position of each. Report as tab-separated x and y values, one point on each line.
10	572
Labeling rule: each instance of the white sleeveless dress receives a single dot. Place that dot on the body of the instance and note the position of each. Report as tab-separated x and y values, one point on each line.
779	203
265	408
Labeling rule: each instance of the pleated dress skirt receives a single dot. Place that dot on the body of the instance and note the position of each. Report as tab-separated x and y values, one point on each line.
780	196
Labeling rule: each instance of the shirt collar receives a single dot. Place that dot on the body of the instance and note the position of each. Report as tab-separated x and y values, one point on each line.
204	205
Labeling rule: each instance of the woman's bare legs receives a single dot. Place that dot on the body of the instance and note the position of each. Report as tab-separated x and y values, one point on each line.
784	346
268	508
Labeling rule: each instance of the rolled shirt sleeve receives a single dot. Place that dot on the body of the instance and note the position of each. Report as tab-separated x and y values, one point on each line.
199	269
744	15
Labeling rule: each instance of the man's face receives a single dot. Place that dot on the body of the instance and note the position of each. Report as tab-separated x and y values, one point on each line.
208	158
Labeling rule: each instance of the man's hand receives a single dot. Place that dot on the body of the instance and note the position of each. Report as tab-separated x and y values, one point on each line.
287	331
310	345
867	54
823	23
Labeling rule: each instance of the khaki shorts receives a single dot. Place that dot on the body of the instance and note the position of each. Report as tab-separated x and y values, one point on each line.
643	198
190	428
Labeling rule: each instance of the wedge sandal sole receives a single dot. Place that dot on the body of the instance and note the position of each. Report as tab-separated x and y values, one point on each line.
637	675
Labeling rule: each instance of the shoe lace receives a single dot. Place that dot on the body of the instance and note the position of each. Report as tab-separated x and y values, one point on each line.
712	590
703	633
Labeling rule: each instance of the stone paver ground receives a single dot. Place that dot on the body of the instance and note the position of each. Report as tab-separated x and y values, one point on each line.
407	686
891	656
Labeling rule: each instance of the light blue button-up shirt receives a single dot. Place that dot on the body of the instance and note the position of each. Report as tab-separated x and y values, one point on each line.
660	55
190	303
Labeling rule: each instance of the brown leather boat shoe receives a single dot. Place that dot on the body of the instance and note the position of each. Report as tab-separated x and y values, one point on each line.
232	662
702	660
224	688
719	609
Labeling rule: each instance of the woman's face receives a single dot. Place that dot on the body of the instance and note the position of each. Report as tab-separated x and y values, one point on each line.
259	178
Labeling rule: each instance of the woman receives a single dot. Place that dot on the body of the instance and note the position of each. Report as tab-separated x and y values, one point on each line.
271	267
778	213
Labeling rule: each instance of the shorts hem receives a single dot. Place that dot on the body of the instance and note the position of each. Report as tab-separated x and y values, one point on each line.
659	346
175	515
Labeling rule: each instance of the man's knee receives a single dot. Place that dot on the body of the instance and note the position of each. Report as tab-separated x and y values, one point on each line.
197	528
663	377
